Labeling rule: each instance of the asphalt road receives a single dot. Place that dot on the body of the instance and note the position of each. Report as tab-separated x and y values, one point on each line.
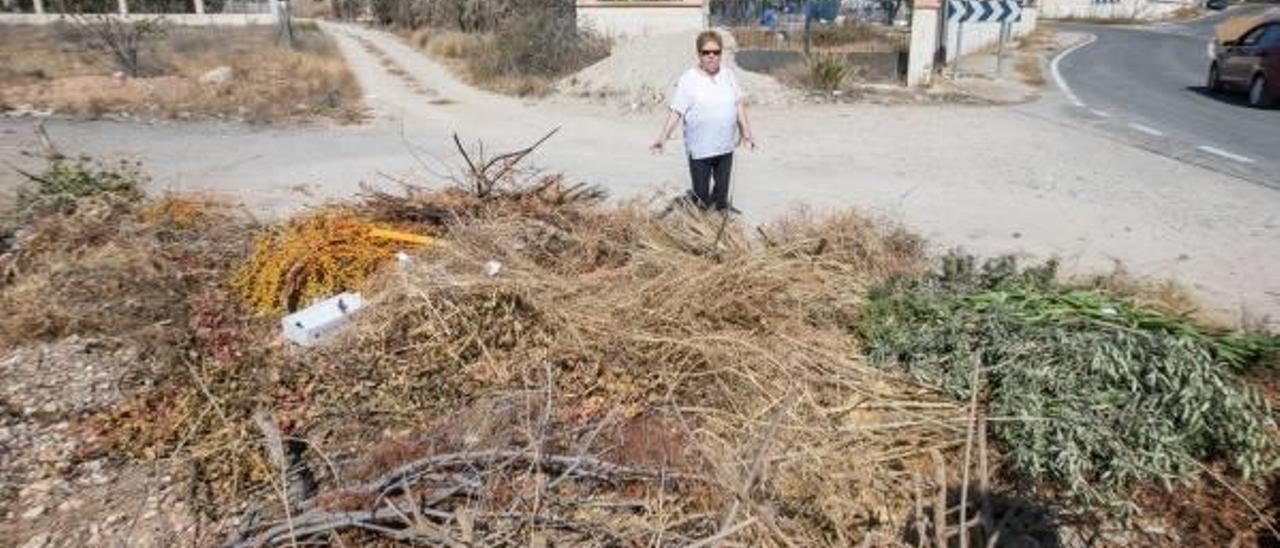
1145	85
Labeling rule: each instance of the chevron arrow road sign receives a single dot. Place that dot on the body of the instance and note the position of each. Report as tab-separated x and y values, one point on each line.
984	11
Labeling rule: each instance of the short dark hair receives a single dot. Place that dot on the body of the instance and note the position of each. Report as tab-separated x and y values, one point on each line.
708	36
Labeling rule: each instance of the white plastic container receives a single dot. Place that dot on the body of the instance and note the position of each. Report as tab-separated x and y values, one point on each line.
315	323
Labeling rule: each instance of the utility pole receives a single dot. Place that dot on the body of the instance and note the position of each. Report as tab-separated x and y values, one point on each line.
284	23
808	26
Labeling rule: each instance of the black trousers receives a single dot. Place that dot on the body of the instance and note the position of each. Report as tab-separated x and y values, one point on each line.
703	170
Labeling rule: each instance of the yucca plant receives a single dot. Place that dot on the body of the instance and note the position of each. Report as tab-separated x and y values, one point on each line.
828	71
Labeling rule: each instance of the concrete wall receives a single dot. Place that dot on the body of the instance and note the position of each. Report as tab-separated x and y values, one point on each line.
980	36
1123	9
888	67
643	18
191	19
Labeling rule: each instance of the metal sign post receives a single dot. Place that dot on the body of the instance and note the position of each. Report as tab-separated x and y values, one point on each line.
982	11
1004	37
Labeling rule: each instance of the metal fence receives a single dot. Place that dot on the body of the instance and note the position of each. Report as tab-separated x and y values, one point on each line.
788	15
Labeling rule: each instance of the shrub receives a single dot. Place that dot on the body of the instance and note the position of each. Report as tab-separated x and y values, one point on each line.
457	45
65	181
1093	392
828	71
541	42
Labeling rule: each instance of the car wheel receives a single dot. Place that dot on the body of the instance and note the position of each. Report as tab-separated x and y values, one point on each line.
1215	79
1258	96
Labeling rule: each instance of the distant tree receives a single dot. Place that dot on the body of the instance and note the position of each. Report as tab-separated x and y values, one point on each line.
118	36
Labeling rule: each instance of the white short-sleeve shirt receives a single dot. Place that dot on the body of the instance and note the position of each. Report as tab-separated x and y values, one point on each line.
709	106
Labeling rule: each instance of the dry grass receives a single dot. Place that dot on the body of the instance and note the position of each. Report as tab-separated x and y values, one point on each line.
848	37
624	378
1027	62
465	53
1099	20
1186	12
702	376
453	44
1030	71
612	318
51	67
1041	40
115	267
523	57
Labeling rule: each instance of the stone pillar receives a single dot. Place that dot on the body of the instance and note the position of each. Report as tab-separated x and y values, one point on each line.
199	7
924	42
39	6
124	6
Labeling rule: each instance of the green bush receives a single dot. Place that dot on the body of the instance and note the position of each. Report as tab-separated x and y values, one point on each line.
67	180
828	71
1092	392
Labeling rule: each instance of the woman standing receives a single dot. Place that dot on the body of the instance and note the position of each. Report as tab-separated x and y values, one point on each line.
707	99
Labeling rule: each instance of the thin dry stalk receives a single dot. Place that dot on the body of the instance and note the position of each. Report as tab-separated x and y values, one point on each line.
744	493
940	500
968	446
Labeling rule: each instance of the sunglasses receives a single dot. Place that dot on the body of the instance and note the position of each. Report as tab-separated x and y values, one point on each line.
714	52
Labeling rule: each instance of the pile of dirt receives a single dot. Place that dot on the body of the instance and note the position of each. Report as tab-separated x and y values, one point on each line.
641	72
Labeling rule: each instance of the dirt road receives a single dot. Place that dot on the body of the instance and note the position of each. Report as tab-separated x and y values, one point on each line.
990	180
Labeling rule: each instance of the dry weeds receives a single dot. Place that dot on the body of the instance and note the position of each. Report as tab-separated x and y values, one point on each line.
621	378
523	57
464	52
99	271
738	349
1030	71
852	37
50	67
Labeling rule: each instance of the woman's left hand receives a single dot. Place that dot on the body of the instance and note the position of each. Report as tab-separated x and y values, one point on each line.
750	141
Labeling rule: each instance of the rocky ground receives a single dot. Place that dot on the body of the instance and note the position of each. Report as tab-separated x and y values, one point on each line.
58	486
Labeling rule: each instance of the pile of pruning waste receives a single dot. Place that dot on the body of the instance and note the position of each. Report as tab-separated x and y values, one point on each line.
1083	389
628	375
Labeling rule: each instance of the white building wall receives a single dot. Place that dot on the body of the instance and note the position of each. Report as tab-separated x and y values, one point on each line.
1122	9
616	19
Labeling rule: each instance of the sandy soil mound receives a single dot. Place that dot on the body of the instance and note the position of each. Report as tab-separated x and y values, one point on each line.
640	73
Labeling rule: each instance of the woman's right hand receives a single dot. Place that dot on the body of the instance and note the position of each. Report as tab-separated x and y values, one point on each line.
656	147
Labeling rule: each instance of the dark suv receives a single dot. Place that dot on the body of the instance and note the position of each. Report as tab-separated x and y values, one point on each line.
1250	62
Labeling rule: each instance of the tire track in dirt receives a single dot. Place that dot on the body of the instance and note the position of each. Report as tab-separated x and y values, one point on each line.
396	69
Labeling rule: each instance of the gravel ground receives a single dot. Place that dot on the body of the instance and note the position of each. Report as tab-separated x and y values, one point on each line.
58	485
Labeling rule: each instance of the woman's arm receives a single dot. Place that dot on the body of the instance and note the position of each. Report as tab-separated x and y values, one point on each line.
673	118
744	126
